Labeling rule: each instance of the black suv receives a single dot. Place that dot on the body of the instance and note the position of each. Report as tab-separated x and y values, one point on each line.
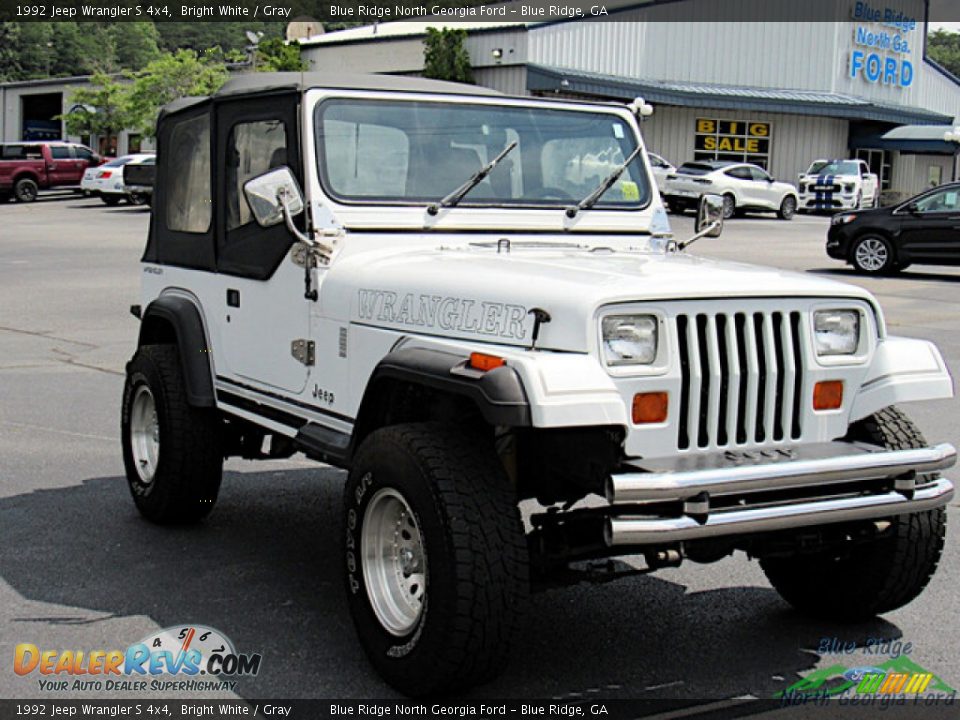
924	230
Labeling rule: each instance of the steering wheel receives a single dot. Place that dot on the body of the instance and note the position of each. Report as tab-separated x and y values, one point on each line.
549	193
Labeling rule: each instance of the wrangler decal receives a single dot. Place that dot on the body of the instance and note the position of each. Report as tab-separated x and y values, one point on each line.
448	313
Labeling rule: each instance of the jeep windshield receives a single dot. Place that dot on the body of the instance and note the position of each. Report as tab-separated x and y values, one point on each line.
416	152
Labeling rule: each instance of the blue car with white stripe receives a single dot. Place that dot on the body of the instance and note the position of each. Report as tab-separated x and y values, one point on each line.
834	185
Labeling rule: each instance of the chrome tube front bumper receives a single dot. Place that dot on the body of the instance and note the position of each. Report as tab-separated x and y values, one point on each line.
817	466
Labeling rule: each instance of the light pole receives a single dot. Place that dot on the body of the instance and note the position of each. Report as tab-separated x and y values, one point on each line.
953	136
253	47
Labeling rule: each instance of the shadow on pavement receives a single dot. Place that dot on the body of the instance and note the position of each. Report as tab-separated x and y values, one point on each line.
911	274
265	570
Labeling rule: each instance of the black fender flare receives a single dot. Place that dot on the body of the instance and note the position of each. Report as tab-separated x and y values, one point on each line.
498	394
171	318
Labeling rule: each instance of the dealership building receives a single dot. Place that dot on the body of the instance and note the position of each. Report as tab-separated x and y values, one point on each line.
779	93
34	110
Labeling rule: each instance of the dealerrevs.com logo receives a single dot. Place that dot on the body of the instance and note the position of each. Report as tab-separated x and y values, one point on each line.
179	658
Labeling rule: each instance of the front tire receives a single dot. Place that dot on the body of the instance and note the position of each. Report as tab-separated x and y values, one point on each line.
873	255
25	190
436	559
172	452
729	206
855	582
788	208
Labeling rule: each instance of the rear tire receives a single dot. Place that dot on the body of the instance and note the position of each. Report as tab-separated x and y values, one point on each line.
25	190
111	199
437	612
859	581
172	452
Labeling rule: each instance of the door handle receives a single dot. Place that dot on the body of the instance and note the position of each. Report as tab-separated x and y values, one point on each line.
233	298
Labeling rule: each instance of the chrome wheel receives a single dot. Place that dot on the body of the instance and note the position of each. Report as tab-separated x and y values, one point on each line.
729	206
871	255
144	434
788	207
394	562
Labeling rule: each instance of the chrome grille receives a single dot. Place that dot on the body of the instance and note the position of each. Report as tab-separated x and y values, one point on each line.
741	378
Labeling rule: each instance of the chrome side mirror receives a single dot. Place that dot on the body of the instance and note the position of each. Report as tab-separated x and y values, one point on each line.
710	216
709	222
271	193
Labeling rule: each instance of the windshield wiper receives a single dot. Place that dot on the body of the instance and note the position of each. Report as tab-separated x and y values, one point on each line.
457	195
590	200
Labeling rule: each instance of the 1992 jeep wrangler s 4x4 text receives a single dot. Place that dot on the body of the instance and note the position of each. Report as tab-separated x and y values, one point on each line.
473	301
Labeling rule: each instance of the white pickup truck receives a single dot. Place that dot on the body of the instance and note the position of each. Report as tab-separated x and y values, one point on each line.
838	185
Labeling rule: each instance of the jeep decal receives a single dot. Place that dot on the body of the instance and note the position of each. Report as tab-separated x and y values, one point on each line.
448	313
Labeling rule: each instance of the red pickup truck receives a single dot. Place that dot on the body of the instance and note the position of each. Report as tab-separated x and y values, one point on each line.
28	167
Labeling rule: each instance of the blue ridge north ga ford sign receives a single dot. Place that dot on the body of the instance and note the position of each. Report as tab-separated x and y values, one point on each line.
882	44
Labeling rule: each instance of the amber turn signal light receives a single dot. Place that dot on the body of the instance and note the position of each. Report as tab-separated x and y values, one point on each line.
484	362
828	395
650	408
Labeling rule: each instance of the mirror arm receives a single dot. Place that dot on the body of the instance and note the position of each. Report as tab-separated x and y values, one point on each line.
315	250
678	246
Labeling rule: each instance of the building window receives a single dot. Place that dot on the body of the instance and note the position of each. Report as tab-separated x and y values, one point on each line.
879	162
735	140
134	142
188	202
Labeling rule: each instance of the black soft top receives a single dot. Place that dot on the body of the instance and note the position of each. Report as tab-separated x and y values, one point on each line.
280	82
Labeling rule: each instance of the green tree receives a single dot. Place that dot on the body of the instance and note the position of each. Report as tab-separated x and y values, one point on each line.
135	44
204	35
33	50
172	76
9	39
274	55
445	57
105	108
79	49
943	47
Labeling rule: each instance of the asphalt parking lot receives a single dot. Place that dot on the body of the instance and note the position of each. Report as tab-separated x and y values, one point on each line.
79	568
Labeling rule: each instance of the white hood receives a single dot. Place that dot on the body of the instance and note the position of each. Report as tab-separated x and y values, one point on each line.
477	293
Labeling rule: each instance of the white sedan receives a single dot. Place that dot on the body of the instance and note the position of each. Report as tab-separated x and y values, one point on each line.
744	187
106	181
661	169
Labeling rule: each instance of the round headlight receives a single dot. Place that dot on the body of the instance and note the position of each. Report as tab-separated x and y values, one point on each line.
630	339
837	332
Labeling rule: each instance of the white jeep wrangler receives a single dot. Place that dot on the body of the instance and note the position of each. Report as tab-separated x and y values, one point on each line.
467	301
